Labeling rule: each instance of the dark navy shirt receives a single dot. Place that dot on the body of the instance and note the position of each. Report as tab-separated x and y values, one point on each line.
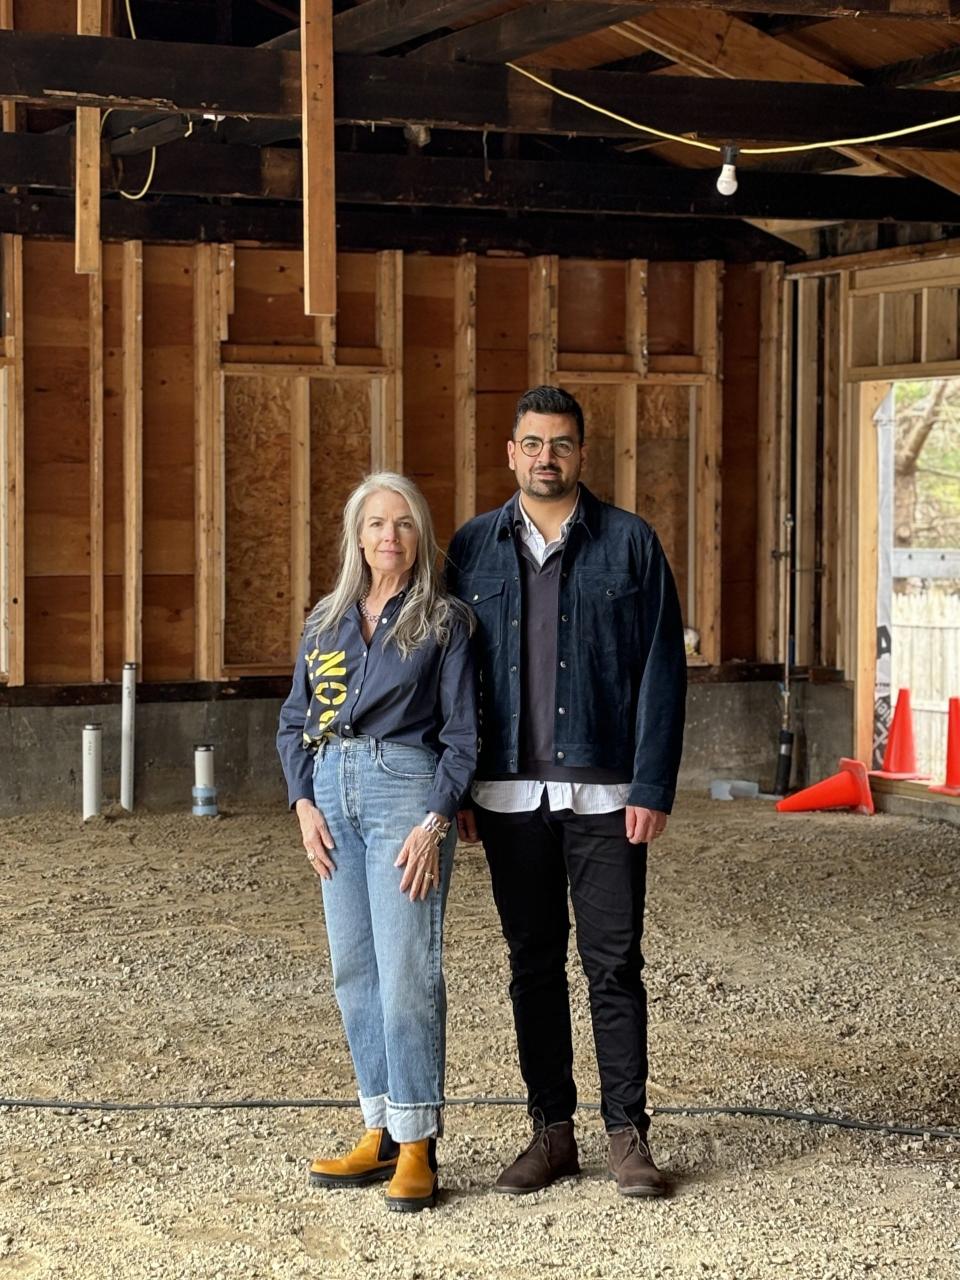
344	687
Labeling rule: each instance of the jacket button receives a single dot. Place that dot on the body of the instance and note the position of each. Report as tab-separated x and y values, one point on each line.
609	591
513	622
476	597
561	711
513	670
559	755
563	663
563	617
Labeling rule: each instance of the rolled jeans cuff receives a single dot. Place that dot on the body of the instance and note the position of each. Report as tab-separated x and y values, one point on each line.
374	1111
405	1122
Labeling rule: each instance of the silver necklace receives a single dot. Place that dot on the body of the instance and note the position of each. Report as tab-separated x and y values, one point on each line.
365	612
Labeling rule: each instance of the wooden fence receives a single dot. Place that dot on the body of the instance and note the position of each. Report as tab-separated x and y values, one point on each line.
926	660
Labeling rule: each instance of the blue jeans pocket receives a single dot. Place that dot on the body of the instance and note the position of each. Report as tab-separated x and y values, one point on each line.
410	763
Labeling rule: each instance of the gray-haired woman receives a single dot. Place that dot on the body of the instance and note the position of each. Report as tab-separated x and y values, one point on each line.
378	742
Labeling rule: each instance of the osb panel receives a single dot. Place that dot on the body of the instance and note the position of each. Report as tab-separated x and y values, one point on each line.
268	298
428	383
357	299
112	410
670	306
738	574
58	630
663	443
502	338
340	458
257	560
591	306
168	630
56	412
599	404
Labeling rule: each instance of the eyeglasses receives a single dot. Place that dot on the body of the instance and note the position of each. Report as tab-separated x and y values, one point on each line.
561	446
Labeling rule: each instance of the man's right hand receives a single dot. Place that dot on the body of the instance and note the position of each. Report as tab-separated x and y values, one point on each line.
317	839
467	826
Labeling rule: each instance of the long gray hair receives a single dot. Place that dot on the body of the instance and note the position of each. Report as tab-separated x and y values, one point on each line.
427	610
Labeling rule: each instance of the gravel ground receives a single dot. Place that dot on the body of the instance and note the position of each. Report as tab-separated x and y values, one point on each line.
809	962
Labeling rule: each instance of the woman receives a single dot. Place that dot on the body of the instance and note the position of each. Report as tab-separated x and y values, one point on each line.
378	742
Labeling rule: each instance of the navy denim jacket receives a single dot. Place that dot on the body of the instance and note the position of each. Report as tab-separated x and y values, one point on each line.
622	672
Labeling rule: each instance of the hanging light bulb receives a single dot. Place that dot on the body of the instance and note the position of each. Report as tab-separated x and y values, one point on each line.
727	181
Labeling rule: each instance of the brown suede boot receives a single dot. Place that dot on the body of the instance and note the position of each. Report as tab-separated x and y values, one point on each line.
373	1159
414	1186
552	1154
632	1165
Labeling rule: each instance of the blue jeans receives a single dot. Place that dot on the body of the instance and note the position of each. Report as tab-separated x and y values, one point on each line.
386	951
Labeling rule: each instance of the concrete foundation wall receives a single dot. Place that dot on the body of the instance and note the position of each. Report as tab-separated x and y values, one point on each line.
731	733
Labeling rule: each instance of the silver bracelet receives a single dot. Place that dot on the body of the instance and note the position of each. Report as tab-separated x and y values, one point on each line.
437	827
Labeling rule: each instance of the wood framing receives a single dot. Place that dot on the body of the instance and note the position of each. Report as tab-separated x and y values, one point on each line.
13	530
831	499
133	454
805	467
87	159
625	448
95	288
769	479
386	435
636	322
319	194
865	402
8	110
465	389
208	468
706	503
542	367
300	596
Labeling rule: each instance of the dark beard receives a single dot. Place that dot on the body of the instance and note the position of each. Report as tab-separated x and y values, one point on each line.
549	486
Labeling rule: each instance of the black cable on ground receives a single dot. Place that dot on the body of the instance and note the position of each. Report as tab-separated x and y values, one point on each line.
243	1104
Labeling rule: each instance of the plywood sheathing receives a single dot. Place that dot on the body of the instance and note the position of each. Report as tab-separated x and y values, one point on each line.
662	472
340	414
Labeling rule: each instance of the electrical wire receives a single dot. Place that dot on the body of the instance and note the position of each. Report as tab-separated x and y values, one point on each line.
255	1104
745	151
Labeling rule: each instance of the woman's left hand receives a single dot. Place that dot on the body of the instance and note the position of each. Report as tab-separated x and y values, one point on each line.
420	859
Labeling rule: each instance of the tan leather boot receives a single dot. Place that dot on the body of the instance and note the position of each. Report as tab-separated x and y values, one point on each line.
373	1159
414	1186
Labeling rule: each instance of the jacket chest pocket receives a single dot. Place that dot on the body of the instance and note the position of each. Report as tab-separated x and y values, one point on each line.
486	596
608	611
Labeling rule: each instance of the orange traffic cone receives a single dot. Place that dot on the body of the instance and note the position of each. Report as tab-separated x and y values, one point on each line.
848	789
900	756
952	785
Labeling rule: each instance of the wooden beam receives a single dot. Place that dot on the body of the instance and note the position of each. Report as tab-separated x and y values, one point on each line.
465	389
95	294
806	389
912	73
300	597
830	522
708	445
208	468
625	448
386	438
636	320
866	401
526	30
13	531
542	342
769	479
87	238
319	193
376	25
133	454
8	110
898	10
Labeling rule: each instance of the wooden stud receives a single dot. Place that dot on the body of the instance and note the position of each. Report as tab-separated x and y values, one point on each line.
226	272
845	574
208	468
319	201
465	389
636	320
542	347
300	597
13	472
866	401
325	329
87	159
276	369
386	435
938	325
805	471
769	479
893	372
97	669
133	453
830	522
625	448
785	469
708	445
8	110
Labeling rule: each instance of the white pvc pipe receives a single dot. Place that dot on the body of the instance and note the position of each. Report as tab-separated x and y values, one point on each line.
127	709
92	770
203	765
204	790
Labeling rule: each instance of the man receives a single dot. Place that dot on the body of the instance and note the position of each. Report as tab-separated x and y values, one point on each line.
582	680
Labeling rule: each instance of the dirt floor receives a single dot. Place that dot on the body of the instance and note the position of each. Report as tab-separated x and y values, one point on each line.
807	962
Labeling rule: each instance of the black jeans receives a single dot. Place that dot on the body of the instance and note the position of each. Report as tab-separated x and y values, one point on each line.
532	857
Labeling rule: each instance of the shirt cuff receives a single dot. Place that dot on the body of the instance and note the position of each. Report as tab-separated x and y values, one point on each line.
645	796
303	791
443	803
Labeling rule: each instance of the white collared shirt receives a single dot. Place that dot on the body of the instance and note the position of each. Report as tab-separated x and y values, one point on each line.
523	796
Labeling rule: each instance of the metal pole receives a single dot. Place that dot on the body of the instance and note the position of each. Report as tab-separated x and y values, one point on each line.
128	708
92	770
